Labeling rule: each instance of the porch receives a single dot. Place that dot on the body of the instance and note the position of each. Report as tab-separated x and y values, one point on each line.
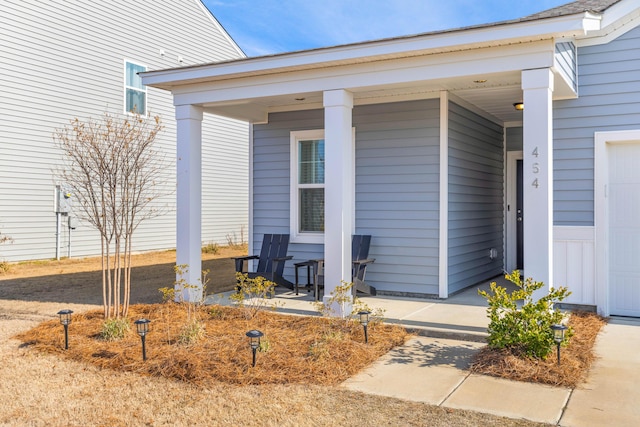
415	185
462	316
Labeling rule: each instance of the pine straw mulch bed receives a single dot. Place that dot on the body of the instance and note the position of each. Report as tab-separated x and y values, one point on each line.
301	350
575	359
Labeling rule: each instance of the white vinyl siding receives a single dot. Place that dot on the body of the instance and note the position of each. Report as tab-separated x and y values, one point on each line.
61	60
609	88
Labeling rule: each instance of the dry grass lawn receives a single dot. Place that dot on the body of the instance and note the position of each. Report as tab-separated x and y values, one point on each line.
58	388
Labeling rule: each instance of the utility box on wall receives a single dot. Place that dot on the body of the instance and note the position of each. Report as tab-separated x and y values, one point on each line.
63	199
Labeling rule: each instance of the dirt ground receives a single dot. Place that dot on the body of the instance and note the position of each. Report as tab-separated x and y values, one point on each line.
78	281
40	389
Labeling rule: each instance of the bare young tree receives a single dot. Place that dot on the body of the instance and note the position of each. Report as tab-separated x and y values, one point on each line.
115	173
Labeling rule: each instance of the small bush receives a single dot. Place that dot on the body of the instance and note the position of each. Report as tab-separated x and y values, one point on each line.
211	248
341	298
5	267
525	330
114	329
193	329
234	243
191	332
253	294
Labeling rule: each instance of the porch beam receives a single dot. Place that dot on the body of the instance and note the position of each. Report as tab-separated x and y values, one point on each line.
537	86
189	199
338	216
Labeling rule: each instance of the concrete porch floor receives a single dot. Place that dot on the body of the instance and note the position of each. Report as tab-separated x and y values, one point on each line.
462	316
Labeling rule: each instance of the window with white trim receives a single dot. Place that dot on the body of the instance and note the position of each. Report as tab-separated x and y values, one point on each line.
307	186
135	93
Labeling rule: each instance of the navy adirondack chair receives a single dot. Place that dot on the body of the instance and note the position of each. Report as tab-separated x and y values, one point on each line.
271	260
360	260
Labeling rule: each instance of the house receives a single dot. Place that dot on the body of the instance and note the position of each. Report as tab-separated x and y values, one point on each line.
416	141
62	60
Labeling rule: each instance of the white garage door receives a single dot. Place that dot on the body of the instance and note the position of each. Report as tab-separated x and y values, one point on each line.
624	228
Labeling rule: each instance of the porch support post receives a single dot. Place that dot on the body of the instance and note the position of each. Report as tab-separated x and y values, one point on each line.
537	86
189	199
338	192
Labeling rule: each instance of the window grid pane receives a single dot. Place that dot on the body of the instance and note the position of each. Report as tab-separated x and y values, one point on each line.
133	79
311	212
136	101
311	162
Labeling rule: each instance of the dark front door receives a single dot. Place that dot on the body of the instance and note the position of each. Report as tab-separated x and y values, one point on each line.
519	217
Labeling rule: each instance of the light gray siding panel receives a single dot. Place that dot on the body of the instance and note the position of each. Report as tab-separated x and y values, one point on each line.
397	193
62	60
397	174
271	195
609	88
475	198
514	139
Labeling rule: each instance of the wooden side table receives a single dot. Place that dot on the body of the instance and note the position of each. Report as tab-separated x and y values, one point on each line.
297	266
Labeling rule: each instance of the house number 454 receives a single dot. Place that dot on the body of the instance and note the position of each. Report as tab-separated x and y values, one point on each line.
535	168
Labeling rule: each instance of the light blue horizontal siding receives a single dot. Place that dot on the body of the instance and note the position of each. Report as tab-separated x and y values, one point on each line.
566	62
397	193
475	198
397	189
609	89
271	181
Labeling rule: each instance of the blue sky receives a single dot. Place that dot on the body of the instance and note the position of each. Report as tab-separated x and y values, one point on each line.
262	27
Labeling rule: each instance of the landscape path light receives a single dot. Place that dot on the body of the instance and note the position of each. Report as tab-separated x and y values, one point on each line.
142	326
254	342
558	336
364	320
65	320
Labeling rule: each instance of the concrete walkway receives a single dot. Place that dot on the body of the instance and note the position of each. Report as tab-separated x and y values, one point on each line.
432	367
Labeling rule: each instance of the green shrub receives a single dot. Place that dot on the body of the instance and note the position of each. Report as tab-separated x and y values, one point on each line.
114	329
525	329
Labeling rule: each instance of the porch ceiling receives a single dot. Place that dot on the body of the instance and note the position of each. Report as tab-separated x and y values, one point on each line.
493	95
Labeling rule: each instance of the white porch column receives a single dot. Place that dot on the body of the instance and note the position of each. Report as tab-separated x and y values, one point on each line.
537	86
189	198
338	189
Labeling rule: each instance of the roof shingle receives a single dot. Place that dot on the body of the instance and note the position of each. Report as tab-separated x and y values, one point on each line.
572	8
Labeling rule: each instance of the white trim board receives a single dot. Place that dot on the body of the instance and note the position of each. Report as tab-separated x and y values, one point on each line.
601	182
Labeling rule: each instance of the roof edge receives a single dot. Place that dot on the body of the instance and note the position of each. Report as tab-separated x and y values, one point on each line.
506	32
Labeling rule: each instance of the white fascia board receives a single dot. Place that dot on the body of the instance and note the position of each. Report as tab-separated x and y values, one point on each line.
466	39
616	21
407	71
